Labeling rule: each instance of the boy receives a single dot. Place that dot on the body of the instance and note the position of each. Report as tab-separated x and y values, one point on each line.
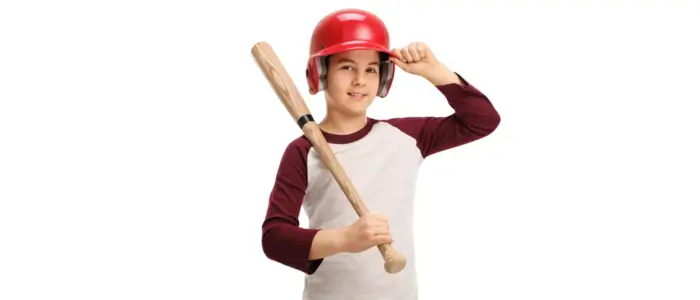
351	62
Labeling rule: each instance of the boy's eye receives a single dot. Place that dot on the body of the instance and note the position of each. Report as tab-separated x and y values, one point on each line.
370	70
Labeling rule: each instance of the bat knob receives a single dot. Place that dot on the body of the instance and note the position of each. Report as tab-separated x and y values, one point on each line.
394	261
394	264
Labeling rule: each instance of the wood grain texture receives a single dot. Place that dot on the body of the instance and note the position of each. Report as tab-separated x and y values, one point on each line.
279	79
289	95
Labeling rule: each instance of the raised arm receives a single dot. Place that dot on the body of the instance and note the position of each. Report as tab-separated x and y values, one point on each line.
474	117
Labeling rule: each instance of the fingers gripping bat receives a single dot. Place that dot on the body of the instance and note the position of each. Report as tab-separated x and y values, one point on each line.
289	95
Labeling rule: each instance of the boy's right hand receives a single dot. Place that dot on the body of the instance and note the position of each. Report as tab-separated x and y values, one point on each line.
368	231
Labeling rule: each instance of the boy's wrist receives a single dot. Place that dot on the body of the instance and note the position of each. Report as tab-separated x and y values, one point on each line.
340	240
327	242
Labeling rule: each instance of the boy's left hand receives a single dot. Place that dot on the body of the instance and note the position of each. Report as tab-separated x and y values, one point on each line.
418	59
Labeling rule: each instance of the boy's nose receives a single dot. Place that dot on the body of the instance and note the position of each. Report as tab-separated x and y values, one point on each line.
359	80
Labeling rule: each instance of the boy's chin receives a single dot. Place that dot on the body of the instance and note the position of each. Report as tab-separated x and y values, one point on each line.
357	107
354	109
351	108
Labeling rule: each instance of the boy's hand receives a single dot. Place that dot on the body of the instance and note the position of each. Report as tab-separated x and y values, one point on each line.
366	232
418	59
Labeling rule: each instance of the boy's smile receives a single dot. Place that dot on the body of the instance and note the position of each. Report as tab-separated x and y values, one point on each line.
357	96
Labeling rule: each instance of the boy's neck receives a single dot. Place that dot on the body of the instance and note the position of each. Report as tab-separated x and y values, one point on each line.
342	125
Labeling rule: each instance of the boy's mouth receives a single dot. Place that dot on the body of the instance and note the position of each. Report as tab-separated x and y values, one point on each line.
357	95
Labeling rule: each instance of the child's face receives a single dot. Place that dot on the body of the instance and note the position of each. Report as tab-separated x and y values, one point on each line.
352	81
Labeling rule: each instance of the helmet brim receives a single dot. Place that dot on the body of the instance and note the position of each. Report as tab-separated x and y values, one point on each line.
353	45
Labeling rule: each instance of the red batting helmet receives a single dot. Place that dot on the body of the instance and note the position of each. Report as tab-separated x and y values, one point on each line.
344	30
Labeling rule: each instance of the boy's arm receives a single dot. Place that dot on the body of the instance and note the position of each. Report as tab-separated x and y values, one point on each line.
474	117
283	240
327	242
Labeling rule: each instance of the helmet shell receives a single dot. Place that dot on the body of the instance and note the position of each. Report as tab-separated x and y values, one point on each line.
345	30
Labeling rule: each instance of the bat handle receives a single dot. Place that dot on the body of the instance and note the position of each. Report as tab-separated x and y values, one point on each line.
394	261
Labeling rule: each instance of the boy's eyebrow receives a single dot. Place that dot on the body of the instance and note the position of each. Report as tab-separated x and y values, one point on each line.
347	60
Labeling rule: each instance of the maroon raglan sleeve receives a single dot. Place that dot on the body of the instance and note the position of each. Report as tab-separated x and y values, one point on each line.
283	240
474	117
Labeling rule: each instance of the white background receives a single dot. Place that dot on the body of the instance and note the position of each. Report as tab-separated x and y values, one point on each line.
125	125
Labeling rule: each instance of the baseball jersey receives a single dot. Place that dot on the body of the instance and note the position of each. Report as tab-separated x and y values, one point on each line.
382	161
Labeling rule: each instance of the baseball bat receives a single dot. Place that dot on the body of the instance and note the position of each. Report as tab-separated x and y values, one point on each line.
289	95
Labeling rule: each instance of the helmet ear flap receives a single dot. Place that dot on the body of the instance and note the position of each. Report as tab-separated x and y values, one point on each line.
316	70
312	78
386	71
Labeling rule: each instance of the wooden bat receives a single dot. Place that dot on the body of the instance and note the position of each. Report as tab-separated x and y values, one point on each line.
279	79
